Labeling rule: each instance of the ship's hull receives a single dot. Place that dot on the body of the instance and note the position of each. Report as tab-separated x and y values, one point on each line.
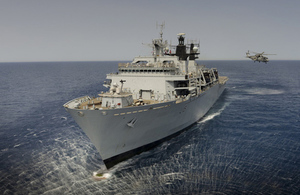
122	133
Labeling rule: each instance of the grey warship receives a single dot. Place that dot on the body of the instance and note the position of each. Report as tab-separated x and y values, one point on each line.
149	100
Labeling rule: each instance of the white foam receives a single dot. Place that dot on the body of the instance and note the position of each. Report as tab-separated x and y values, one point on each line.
15	146
264	91
213	115
209	117
102	177
169	174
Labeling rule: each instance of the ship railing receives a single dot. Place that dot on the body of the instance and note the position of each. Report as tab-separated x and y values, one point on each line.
75	102
166	65
223	79
183	98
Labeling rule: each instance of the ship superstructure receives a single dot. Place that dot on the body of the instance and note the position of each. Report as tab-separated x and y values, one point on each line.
149	100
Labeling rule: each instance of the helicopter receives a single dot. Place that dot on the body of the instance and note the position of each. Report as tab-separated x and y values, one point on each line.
258	57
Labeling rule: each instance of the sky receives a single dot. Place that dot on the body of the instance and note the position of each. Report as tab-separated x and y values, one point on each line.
105	30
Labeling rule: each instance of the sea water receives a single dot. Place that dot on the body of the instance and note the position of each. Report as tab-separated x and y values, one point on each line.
248	143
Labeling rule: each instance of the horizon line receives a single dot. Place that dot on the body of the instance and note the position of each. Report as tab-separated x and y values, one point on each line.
131	60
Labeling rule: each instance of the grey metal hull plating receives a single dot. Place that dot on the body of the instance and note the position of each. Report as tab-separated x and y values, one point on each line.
109	131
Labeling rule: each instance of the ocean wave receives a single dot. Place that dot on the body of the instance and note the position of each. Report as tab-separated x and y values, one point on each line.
63	118
17	145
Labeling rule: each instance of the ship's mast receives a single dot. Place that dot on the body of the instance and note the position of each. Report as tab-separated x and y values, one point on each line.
162	26
158	44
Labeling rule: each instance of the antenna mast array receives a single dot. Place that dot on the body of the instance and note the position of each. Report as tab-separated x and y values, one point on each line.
162	26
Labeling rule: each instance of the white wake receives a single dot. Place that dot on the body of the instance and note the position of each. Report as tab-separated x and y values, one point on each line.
264	91
213	115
